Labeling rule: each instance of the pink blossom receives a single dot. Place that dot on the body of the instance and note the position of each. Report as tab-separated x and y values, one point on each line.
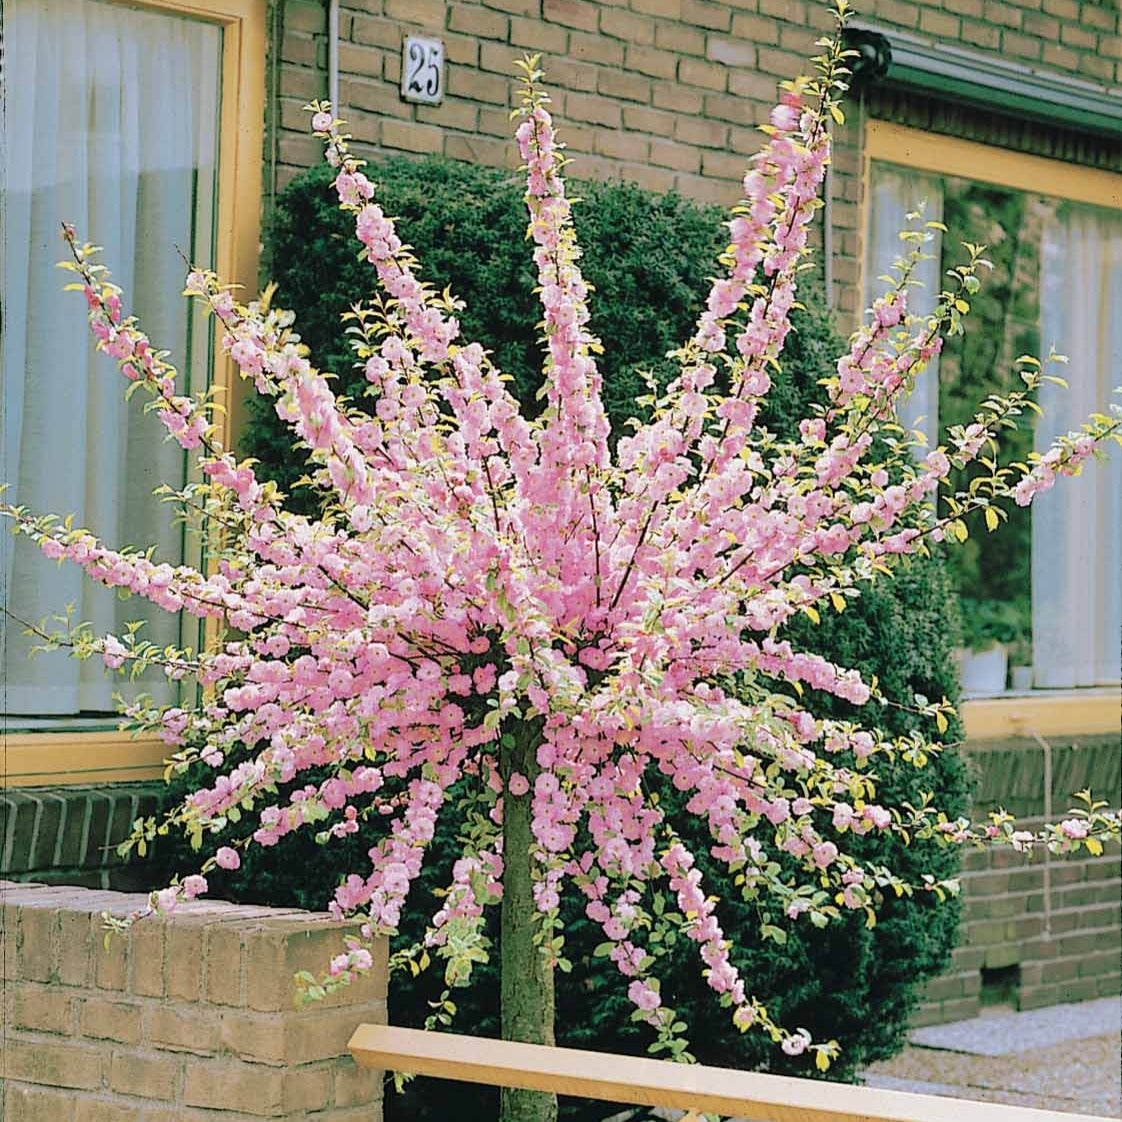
227	858
643	996
166	899
796	1044
193	886
113	652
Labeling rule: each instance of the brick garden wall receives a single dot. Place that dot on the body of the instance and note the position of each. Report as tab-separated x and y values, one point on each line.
69	835
1035	932
186	1019
666	93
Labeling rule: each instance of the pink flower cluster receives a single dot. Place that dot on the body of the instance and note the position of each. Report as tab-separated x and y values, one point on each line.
1061	459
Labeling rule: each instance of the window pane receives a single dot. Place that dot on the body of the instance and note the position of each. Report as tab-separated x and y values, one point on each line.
1042	593
896	193
993	571
1077	527
112	121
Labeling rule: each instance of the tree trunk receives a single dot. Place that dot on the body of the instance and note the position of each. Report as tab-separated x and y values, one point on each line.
526	984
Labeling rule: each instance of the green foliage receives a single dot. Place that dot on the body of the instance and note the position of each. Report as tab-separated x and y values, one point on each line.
985	622
467	224
648	258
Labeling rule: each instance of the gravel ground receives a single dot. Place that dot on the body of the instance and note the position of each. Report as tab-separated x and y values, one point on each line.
1076	1076
1000	1031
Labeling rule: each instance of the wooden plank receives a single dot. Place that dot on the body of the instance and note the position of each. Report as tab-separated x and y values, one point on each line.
36	759
1044	712
951	155
646	1082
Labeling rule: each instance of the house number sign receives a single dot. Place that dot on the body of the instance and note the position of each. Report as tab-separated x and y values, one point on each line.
422	70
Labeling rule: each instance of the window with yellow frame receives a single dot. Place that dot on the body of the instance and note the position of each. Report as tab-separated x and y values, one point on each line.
1041	599
140	123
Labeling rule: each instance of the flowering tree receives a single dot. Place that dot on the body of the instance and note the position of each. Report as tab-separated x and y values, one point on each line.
501	612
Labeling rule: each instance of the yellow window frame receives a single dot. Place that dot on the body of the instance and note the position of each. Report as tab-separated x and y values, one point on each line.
1081	712
108	756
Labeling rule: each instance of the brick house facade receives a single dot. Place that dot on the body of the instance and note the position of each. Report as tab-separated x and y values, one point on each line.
667	93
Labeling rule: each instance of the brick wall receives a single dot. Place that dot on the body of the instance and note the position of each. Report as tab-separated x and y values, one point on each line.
1035	931
180	1020
666	93
69	835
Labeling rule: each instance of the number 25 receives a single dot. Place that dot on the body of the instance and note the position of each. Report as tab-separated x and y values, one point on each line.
424	72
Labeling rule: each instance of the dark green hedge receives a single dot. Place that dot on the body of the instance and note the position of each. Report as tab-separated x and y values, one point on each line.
648	258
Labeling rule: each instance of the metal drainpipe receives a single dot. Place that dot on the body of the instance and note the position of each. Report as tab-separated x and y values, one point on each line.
333	55
828	224
1046	748
276	17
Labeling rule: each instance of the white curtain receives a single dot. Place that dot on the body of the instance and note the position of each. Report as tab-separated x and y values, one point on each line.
111	123
896	193
1077	526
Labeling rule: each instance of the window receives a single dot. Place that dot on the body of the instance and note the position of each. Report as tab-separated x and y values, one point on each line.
142	126
1042	600
118	115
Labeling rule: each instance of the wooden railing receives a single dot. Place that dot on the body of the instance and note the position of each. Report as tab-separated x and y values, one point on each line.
641	1082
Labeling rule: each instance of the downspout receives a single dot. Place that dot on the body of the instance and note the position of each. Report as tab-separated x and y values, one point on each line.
828	224
276	17
333	55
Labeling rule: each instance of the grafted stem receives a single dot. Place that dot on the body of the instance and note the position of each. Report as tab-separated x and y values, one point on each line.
526	986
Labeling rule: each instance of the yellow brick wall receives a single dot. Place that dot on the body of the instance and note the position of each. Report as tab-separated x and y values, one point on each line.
178	1019
666	93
